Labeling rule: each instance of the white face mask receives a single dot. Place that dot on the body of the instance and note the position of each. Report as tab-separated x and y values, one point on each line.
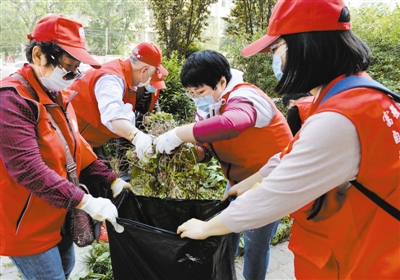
55	82
141	84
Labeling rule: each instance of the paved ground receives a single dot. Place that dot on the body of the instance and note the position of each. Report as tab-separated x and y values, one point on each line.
280	264
9	272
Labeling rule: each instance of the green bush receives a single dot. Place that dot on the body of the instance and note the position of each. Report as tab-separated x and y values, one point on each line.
173	99
283	231
177	175
378	25
98	263
257	69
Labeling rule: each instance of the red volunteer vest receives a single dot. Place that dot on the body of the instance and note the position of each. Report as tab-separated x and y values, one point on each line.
246	154
86	106
28	224
353	238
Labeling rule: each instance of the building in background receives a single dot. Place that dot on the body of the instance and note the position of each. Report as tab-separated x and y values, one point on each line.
215	30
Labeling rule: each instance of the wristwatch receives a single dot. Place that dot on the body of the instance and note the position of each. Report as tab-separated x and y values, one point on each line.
132	135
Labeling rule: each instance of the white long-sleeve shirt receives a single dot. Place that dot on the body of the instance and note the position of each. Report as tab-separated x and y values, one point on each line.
109	91
326	155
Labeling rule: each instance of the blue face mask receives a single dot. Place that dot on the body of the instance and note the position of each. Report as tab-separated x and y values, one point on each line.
150	88
203	103
277	64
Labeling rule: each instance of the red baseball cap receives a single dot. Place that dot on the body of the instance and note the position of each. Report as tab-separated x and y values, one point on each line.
69	34
297	16
157	81
150	54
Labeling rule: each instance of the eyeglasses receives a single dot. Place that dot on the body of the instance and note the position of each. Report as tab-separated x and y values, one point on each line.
273	47
68	75
195	95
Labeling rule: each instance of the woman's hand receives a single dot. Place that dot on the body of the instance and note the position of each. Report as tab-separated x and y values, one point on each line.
199	230
192	229
236	190
243	186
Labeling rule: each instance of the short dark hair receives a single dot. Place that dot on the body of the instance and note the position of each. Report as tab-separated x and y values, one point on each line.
49	49
293	96
317	58
205	68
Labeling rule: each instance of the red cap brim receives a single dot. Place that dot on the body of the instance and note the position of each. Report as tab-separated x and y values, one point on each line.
81	55
162	70
158	84
157	81
259	46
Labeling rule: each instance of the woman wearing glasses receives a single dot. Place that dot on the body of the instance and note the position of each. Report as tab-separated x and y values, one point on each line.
240	126
37	128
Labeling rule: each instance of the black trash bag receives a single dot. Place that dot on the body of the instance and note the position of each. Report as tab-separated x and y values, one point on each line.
149	247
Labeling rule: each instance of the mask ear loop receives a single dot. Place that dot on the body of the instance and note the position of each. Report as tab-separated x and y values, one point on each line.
221	99
40	70
217	107
141	76
148	73
41	73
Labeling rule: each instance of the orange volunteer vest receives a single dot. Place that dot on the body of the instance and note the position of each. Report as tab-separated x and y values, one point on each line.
28	224
352	237
86	106
246	154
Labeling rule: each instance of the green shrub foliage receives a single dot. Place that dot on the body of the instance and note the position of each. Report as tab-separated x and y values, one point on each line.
173	99
177	175
379	26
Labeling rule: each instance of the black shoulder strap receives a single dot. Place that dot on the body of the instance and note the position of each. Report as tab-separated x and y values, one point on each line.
379	201
355	82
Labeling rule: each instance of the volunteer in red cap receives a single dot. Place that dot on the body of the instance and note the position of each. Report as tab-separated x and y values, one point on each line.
37	126
108	97
339	178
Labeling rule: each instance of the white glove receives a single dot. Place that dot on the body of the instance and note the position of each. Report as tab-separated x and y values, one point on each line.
167	141
144	145
102	209
118	185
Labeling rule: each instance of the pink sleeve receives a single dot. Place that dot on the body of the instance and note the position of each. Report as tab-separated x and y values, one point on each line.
239	115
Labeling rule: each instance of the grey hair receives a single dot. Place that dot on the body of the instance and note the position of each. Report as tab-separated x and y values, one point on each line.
134	60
